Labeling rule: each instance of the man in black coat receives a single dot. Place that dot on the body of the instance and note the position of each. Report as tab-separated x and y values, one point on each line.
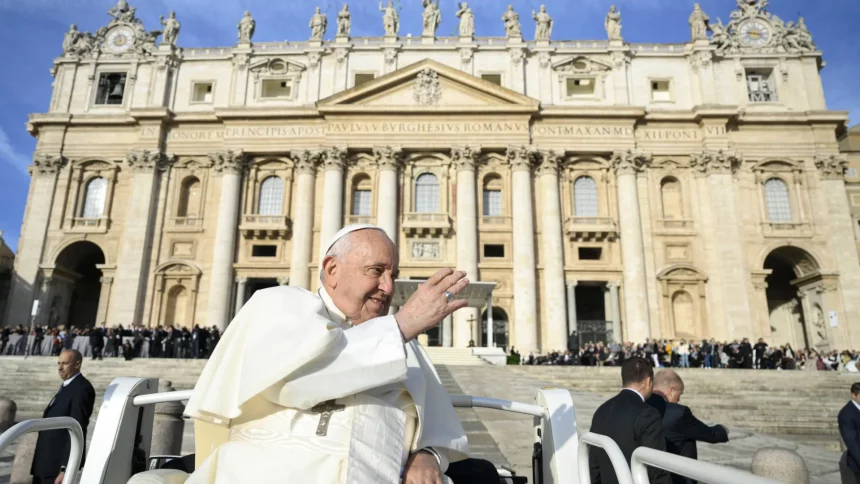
681	427
630	422
97	342
74	399
745	355
760	349
849	429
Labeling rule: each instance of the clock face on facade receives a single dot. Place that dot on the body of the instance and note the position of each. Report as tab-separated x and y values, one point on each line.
119	39
754	33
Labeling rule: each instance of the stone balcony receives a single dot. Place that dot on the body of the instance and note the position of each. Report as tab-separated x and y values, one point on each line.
266	226
360	219
97	225
591	228
786	229
435	224
495	223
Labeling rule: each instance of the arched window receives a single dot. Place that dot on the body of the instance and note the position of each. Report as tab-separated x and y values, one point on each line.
778	203
189	198
271	196
585	197
673	203
427	194
493	196
94	199
362	195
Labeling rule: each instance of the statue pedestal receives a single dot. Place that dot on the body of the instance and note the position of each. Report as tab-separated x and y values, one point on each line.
466	40
341	39
389	39
168	48
702	43
616	43
315	43
428	39
244	46
515	40
542	43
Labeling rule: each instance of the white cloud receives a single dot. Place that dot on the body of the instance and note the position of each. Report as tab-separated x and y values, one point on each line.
10	155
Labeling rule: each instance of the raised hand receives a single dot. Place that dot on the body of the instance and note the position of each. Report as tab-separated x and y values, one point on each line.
429	305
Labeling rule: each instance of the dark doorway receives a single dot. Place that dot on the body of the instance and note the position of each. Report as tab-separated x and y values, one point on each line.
591	322
500	328
784	305
74	294
255	285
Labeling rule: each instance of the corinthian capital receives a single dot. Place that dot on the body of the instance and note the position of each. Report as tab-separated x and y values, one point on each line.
387	158
550	163
45	164
629	162
334	158
465	159
228	162
712	162
306	161
521	157
831	167
147	161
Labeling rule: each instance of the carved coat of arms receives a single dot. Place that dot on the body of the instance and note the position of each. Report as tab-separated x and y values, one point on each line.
428	89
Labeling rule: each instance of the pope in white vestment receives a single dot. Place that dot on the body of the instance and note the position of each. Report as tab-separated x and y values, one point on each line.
294	392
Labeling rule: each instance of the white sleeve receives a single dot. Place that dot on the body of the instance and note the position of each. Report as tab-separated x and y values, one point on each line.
368	356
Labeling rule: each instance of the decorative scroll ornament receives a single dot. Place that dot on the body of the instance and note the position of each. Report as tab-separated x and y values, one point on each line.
465	159
45	164
387	158
229	162
427	89
146	161
306	161
700	59
125	34
550	163
712	162
334	158
466	54
831	167
753	28
517	55
629	162
521	157
390	54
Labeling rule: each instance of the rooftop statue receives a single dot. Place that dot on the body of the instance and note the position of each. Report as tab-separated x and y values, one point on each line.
699	24
613	24
247	26
544	24
512	23
753	28
318	25
390	18
171	29
122	12
432	17
467	20
344	22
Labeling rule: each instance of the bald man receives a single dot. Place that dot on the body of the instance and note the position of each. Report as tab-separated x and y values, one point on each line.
681	428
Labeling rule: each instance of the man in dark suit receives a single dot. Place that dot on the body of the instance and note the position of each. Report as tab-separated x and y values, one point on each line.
849	429
681	428
97	342
630	422
75	399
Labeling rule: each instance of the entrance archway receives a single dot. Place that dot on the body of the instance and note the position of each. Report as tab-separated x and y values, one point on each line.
72	296
500	327
787	317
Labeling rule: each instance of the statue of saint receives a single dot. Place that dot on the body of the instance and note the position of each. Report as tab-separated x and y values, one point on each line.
344	22
390	18
432	17
318	24
804	37
613	24
71	40
171	29
512	23
246	28
467	20
120	8
544	24
699	24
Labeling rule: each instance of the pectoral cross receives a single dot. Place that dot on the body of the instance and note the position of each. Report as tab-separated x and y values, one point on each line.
326	409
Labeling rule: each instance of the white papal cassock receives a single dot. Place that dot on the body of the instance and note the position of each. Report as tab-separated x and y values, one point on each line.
288	350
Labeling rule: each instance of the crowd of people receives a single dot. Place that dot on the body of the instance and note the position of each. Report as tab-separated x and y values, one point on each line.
119	342
705	354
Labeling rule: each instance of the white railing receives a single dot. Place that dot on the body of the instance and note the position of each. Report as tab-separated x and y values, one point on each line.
467	401
76	439
616	457
166	397
495	220
573	221
704	472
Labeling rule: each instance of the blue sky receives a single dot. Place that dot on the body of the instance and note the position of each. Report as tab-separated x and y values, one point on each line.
31	33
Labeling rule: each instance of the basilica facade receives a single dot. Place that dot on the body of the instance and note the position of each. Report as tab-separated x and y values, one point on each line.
601	190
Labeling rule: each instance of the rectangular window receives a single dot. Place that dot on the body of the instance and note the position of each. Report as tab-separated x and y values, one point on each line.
264	251
362	78
202	92
851	172
590	253
361	202
277	89
492	203
111	88
494	251
760	85
660	91
493	78
580	87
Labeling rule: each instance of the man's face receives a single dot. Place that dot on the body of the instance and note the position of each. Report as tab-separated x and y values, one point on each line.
361	282
66	365
855	397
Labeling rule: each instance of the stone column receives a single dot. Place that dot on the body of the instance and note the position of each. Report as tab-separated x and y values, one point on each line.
831	169
732	279
571	308
525	283
303	224
104	299
132	268
334	160
388	160
490	343
167	425
627	165
33	233
229	165
447	329
552	254
615	303
464	161
241	288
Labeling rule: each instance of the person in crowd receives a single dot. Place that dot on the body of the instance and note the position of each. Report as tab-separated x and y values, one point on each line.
75	399
759	350
849	429
97	343
630	422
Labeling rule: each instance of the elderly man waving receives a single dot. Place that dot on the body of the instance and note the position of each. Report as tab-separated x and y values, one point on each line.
326	388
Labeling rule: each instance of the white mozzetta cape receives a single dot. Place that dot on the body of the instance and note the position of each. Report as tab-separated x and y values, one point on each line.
289	349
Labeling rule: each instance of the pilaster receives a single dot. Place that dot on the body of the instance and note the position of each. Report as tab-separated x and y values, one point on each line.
334	162
306	163
552	253
465	161
522	160
388	161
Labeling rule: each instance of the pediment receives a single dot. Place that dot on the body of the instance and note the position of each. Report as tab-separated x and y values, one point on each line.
581	65
431	86
275	65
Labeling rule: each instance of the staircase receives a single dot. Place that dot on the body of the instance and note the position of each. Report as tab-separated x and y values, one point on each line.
453	356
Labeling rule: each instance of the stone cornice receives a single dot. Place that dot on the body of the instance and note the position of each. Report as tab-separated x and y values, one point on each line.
46	164
387	158
334	158
831	167
715	162
228	162
550	163
629	162
465	159
306	161
521	157
147	161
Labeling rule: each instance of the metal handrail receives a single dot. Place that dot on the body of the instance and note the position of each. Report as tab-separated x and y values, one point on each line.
467	401
165	397
76	439
616	457
704	472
